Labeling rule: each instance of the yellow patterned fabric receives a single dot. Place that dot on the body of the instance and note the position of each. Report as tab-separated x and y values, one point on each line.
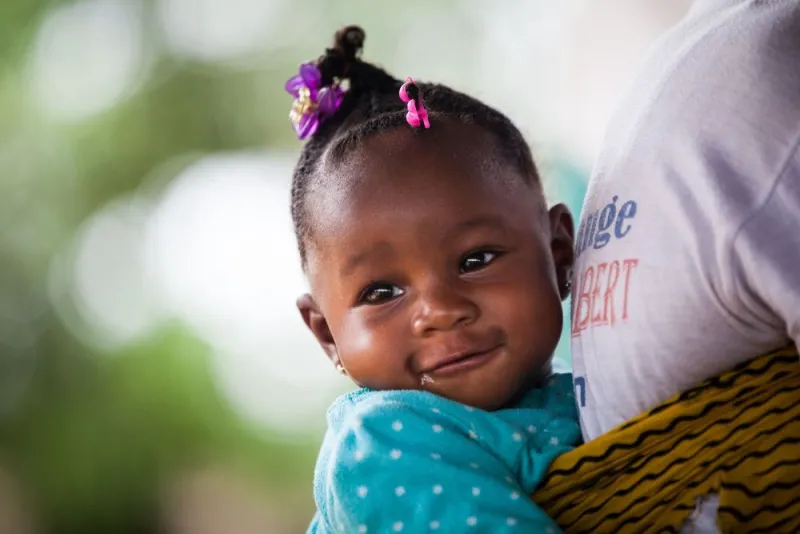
737	436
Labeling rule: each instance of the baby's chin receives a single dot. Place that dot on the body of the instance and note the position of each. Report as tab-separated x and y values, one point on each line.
487	391
488	401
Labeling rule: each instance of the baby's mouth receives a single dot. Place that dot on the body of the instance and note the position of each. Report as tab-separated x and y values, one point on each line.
460	362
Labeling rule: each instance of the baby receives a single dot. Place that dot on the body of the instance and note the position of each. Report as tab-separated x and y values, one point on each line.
437	275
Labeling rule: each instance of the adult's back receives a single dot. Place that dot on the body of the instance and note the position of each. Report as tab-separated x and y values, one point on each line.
689	242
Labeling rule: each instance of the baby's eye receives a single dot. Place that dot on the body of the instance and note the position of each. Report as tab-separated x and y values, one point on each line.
477	260
379	293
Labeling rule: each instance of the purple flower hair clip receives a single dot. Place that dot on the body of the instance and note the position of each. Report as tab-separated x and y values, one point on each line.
312	102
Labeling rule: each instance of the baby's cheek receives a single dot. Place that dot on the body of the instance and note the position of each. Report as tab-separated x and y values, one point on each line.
364	332
356	343
533	318
372	355
531	298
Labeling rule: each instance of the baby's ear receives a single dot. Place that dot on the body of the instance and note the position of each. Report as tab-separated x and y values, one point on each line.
562	246
318	325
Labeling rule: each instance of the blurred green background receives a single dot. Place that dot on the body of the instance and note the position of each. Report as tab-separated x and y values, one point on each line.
154	374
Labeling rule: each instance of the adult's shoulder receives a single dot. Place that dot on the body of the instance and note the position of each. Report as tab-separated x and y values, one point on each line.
710	118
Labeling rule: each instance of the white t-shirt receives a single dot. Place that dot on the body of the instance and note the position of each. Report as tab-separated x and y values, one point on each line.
688	250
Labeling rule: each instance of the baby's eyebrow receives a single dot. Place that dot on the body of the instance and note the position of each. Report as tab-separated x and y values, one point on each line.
481	221
381	250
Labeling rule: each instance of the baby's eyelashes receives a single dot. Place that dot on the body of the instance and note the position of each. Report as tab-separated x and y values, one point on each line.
378	293
477	260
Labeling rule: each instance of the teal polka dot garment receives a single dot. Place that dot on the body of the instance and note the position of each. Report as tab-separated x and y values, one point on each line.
413	462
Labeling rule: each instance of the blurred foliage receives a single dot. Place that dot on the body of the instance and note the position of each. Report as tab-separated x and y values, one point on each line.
97	436
94	435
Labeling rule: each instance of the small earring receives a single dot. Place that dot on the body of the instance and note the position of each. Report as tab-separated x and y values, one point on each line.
568	281
341	369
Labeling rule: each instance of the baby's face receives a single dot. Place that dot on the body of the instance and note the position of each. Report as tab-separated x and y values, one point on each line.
434	268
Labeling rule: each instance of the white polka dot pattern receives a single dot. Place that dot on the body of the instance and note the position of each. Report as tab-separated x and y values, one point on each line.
408	461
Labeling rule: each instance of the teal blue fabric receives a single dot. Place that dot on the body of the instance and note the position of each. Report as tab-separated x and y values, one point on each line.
411	461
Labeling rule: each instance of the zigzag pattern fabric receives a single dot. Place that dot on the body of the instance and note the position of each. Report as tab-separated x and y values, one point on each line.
736	435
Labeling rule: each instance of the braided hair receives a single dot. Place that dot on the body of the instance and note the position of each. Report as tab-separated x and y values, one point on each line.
371	106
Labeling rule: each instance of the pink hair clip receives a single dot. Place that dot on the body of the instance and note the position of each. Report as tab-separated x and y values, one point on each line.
417	114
